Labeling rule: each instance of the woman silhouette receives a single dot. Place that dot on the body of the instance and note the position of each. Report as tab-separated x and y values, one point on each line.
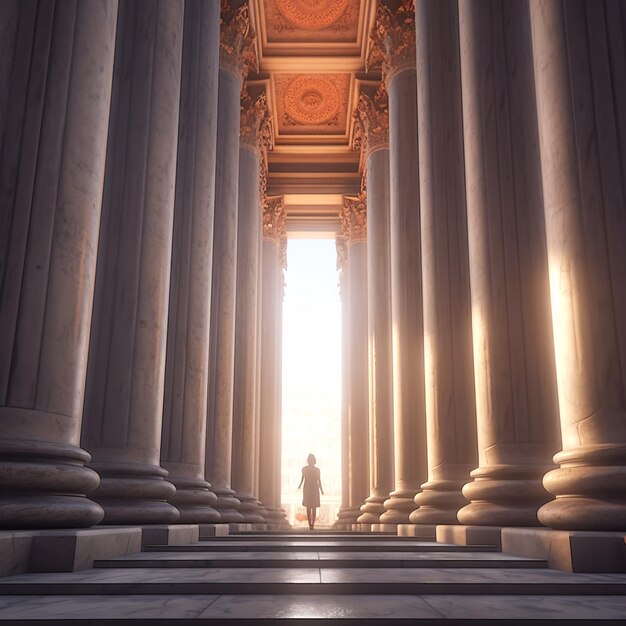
312	488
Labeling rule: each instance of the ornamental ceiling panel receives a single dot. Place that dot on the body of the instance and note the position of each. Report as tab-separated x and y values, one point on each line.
312	104
290	21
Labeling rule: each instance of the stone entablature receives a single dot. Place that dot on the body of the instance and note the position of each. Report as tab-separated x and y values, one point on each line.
393	40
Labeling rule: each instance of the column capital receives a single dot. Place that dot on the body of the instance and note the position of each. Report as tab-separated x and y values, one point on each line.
256	132
274	219
354	218
342	254
371	122
392	41
237	40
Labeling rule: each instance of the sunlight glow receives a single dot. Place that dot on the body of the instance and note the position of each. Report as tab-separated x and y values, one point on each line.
311	375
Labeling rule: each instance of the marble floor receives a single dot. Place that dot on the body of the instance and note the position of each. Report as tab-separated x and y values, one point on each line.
420	583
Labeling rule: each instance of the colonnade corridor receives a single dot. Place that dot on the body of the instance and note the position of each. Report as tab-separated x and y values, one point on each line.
463	165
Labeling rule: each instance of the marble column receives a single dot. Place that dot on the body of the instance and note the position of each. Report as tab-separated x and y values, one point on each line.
372	134
353	219
254	138
55	103
271	306
448	365
343	269
580	92
236	55
125	377
394	48
186	369
516	404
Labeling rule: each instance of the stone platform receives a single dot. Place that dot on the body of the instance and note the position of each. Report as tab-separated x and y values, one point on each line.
315	578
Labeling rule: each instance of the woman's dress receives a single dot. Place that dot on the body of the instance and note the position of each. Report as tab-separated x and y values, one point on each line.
311	489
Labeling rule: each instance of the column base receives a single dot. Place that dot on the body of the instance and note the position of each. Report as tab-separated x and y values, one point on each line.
438	502
227	506
398	506
208	531
372	510
590	485
571	551
277	519
349	516
64	550
134	494
169	534
250	510
385	528
470	535
44	485
504	495
195	500
424	532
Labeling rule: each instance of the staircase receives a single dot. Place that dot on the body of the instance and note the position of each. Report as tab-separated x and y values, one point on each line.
314	577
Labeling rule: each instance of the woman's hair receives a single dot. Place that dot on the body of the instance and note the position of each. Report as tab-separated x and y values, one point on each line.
311	460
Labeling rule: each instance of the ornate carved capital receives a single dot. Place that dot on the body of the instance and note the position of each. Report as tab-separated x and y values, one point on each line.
371	122
274	219
342	254
354	218
237	40
256	122
393	40
282	253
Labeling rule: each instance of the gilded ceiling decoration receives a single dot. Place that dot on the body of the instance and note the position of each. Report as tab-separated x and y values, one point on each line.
312	103
322	20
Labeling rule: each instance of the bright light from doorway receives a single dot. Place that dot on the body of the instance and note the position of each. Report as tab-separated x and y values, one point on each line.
311	375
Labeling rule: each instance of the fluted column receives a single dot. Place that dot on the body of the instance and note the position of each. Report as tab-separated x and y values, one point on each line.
186	370
450	405
236	55
343	269
517	413
54	137
372	133
582	135
394	47
124	394
255	137
271	329
355	233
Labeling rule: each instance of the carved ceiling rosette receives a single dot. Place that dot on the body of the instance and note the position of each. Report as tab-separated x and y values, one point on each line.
311	100
354	218
274	219
371	122
393	40
237	41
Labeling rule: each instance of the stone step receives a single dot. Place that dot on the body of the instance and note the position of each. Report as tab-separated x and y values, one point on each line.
369	581
321	559
226	545
317	536
331	610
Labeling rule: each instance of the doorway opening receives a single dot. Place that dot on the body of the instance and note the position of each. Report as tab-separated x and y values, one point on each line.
311	376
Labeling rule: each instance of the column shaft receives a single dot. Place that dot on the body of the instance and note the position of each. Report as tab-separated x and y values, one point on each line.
580	69
449	383
124	396
186	371
406	299
513	359
55	103
379	336
244	402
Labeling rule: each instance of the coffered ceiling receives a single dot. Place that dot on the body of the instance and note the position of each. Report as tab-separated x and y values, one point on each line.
311	63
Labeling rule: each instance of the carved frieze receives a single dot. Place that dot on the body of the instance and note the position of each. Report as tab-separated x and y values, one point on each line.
392	42
237	41
371	122
354	218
